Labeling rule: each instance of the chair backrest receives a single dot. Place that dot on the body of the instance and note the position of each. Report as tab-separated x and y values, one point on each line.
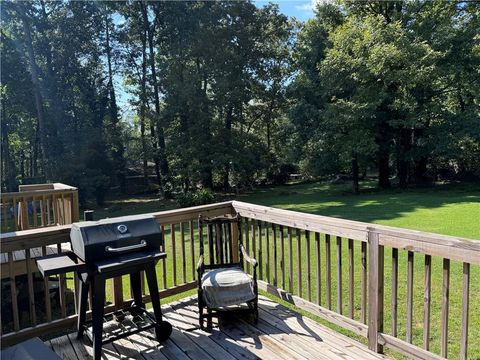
223	239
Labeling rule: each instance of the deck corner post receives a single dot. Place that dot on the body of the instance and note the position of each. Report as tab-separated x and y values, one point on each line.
375	290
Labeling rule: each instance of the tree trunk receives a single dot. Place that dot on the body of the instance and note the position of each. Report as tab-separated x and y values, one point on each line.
420	170
206	160
56	111
355	174
269	122
383	163
228	134
383	155
403	147
420	163
117	147
143	103
163	162
36	89
8	165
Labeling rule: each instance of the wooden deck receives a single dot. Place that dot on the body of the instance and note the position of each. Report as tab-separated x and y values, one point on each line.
279	334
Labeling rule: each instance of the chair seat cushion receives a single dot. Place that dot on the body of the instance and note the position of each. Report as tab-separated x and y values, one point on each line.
227	286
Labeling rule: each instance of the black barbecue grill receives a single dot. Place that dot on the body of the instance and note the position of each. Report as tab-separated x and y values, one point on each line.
105	249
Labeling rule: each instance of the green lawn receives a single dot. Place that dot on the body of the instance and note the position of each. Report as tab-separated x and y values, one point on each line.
451	209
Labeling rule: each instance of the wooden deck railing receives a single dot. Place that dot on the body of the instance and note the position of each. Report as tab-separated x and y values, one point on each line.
286	242
43	313
39	205
336	269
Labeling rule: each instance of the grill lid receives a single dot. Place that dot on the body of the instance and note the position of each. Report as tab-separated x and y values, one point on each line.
97	240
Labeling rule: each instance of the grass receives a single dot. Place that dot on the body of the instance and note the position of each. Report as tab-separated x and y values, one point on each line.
451	209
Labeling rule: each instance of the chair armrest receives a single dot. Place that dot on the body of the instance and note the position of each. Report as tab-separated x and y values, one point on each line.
200	264
247	257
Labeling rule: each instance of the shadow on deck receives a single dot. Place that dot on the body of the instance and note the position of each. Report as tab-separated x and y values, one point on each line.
279	334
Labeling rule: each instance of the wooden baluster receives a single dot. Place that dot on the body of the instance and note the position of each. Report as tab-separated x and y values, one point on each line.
75	207
275	260
363	285
62	283
307	254
142	283
13	291
290	261
5	216
15	214
247	243
351	271
184	261
282	256
318	263
48	305
25	221
444	315
410	260
394	300
426	302
299	263
43	209
465	306
260	259
62	210
76	291
55	210
267	240
49	217
35	215
328	271
192	248
68	208
174	254
164	264
339	275
118	292
31	294
376	291
254	241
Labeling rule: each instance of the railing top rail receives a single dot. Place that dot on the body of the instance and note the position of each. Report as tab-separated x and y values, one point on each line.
38	190
26	239
450	247
324	224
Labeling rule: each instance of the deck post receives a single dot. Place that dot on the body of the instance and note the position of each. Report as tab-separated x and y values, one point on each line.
375	291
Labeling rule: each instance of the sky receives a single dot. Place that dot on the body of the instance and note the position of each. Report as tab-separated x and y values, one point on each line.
300	9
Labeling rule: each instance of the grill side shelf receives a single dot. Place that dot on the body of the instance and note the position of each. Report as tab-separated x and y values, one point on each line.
56	264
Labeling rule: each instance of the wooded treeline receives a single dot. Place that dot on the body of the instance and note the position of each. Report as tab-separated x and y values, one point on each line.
226	94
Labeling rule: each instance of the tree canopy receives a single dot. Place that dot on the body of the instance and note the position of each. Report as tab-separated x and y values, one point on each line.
228	94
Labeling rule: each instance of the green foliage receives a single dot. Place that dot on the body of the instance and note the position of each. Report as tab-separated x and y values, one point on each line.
226	94
375	89
194	198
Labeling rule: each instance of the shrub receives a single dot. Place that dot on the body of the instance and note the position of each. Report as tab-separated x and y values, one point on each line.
193	198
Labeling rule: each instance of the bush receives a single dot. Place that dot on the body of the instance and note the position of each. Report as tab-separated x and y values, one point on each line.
281	174
194	198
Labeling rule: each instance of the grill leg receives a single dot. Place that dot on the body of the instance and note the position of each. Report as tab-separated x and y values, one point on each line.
82	307
97	316
136	285
163	328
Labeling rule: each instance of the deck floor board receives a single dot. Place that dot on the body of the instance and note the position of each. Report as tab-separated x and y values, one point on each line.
280	334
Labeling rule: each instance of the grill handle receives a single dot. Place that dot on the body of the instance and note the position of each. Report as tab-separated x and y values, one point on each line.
142	244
